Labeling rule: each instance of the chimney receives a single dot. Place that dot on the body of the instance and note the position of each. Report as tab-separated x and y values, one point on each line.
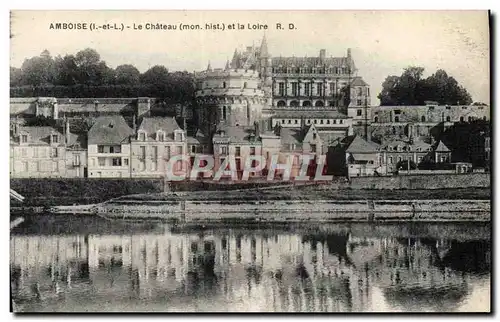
96	104
322	55
302	123
68	132
134	123
350	131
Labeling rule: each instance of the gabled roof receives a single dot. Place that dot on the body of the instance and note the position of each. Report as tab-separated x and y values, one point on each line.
358	81
151	125
109	130
359	145
441	147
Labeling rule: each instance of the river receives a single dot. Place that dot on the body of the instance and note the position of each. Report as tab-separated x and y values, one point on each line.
87	264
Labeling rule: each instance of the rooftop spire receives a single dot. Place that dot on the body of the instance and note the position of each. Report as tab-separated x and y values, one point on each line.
263	47
209	67
227	65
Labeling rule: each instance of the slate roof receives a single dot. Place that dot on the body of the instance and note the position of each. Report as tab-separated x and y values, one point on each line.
417	144
109	130
441	147
291	135
309	114
358	81
40	135
153	124
311	61
359	145
236	134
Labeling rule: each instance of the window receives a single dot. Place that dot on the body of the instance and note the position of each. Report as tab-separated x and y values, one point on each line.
448	119
332	88
224	113
54	152
179	149
101	162
315	121
397	112
24	138
320	121
360	102
142	136
289	121
319	89
461	118
307	89
313	148
55	138
142	152
334	121
296	121
154	166
166	152
252	150
100	148
396	119
193	148
295	87
399	159
125	161
360	91
419	159
341	121
223	84
237	151
448	107
117	162
359	112
327	121
245	85
375	119
160	136
292	146
155	152
282	121
281	89
422	118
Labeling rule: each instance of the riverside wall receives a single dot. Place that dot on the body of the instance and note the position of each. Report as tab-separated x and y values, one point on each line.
68	191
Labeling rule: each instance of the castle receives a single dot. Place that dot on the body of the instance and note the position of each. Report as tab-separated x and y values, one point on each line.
258	104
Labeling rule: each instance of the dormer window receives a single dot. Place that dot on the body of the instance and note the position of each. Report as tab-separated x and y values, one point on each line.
179	135
141	136
24	138
160	136
54	138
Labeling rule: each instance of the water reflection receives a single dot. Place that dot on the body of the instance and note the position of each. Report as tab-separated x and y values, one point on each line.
245	270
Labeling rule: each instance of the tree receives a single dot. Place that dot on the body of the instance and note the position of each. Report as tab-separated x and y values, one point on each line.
90	69
157	75
387	87
38	70
16	76
127	75
66	70
411	89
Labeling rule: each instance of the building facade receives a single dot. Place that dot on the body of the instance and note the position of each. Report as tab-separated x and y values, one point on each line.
109	148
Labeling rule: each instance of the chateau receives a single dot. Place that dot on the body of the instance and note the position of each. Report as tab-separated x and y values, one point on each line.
257	104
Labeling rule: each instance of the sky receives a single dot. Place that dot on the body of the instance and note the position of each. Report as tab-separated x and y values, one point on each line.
382	42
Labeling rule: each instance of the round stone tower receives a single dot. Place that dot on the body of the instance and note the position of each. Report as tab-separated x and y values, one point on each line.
230	95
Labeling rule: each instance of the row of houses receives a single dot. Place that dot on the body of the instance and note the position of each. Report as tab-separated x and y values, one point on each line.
113	149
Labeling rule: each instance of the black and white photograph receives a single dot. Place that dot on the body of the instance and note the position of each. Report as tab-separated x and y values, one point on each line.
187	161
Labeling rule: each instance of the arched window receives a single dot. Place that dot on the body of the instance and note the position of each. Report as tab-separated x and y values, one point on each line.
393	130
470	118
248	113
423	118
245	85
224	112
448	119
319	104
396	119
294	103
461	118
375	119
281	104
306	103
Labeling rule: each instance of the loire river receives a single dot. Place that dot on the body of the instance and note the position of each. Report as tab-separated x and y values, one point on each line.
90	265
